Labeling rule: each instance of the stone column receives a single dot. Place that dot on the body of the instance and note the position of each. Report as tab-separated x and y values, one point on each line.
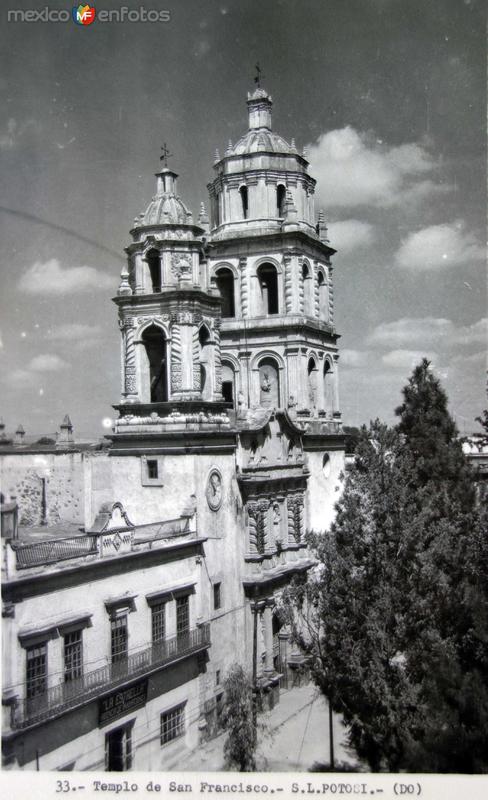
287	267
244	304
336	383
291	355
217	361
331	295
140	264
244	357
176	358
129	390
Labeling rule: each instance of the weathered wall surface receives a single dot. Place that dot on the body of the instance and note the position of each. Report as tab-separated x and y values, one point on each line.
22	476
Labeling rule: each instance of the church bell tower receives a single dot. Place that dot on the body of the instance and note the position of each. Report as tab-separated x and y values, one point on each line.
169	318
270	260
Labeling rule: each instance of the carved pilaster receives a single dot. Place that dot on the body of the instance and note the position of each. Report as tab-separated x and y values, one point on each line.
217	358
252	526
316	294
263	533
298	515
301	289
244	288
129	358
291	519
287	266
197	378
176	359
331	296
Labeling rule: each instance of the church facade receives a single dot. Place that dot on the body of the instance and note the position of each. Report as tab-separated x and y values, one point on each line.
227	448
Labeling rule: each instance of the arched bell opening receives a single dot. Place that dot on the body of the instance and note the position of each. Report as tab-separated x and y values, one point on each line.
206	362
154	264
328	388
268	286
269	383
244	201
155	376
323	309
225	283
228	383
280	200
312	382
307	290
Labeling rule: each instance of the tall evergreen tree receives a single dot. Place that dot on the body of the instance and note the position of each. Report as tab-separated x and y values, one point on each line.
395	618
238	720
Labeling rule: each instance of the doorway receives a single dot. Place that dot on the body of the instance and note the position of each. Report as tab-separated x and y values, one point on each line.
118	749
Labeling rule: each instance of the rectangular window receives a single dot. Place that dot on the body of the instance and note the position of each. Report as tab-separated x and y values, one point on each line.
118	749
217	596
182	616
152	469
217	677
173	724
119	638
36	670
73	656
158	622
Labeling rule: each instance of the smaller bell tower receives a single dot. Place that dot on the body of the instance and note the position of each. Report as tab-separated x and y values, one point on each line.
169	317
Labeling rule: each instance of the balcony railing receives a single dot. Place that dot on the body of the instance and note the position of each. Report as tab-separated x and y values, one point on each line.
60	698
106	543
32	555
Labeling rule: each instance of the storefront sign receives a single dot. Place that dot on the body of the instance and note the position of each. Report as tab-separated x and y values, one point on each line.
121	702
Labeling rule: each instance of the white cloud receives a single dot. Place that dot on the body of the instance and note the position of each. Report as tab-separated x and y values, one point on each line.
8	139
407	359
354	170
439	246
351	234
47	362
74	332
428	331
20	378
354	358
51	278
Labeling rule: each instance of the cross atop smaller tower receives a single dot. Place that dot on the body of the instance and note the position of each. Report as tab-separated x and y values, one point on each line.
259	75
166	154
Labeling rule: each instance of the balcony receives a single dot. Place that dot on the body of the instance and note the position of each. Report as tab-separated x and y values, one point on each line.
60	698
99	544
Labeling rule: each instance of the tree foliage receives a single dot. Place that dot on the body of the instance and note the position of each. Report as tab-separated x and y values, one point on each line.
238	720
395	618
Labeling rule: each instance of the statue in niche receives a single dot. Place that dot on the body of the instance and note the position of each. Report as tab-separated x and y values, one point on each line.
268	385
265	383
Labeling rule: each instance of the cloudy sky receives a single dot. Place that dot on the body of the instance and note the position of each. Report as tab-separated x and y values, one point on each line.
388	97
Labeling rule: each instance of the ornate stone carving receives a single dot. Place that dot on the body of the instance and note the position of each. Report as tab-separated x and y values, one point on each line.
316	294
291	519
176	356
213	492
197	378
127	328
287	264
180	265
244	287
217	358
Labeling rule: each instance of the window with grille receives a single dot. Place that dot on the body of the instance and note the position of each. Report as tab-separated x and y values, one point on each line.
173	724
217	596
182	615
158	622
36	670
73	656
152	468
119	638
